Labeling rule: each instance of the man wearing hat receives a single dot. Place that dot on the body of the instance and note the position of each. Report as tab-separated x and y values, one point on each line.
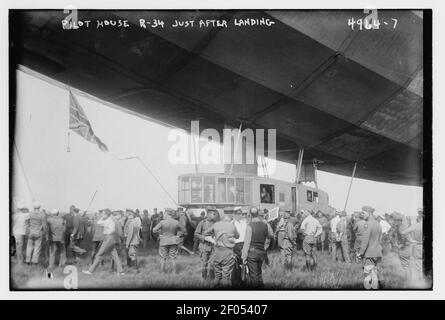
131	235
324	222
414	233
371	249
78	232
20	223
358	230
169	230
401	243
108	245
312	229
224	234
98	234
253	253
240	224
145	228
333	235
386	228
37	231
342	237
286	238
205	247
56	234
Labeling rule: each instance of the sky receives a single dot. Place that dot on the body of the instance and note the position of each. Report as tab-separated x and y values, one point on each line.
58	178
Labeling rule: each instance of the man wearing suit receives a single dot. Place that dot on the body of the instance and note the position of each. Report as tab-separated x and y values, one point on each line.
371	248
56	228
37	231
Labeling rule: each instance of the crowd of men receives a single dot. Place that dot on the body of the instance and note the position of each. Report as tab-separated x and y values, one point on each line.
233	248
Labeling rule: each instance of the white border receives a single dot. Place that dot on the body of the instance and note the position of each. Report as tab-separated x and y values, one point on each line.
438	155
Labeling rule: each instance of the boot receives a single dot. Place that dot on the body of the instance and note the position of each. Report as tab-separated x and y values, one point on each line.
204	274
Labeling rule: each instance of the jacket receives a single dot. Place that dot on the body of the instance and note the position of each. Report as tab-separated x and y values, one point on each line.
370	246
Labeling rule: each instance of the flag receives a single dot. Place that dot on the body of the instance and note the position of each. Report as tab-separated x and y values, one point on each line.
80	124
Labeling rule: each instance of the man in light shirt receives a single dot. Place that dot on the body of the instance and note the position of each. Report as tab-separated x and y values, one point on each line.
386	227
312	229
20	223
240	224
333	235
342	237
108	245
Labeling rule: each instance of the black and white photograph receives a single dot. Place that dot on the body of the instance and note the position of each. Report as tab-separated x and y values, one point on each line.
220	149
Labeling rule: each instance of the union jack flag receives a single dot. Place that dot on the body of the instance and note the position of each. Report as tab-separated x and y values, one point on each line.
80	124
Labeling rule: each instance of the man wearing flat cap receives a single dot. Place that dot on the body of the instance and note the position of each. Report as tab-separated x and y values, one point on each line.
56	234
342	237
37	231
78	232
169	230
358	230
206	248
240	224
414	234
371	249
20	223
287	239
312	229
131	236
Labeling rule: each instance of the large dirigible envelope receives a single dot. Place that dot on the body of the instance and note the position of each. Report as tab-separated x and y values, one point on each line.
345	96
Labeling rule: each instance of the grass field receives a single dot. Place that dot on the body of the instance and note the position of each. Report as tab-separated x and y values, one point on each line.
328	275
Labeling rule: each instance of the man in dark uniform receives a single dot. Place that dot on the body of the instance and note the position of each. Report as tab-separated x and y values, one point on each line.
224	233
371	248
56	235
169	230
358	229
253	250
205	247
78	232
145	229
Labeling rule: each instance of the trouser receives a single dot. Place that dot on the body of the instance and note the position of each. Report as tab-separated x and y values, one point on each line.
132	254
94	249
206	267
333	245
19	242
344	246
145	239
107	246
33	248
357	246
371	280
286	252
309	246
321	243
386	244
222	262
75	247
168	252
195	244
55	246
255	259
236	273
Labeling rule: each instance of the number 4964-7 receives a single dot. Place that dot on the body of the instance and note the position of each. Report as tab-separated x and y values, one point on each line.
369	24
